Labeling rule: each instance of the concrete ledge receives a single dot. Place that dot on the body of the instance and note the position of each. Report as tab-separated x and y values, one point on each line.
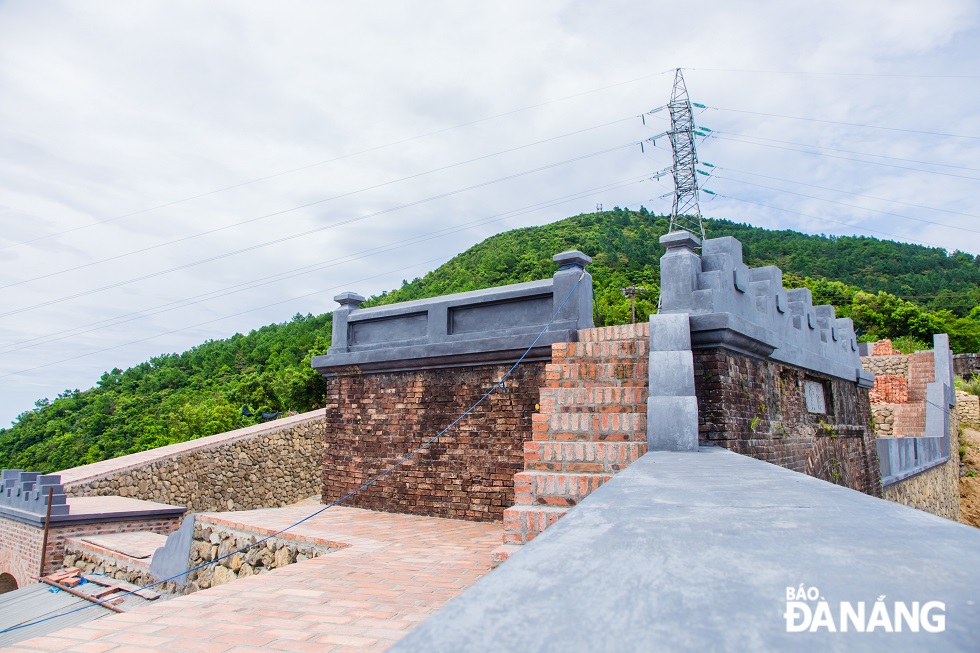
695	552
98	510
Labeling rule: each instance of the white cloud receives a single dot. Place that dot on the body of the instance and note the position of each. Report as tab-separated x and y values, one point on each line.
111	108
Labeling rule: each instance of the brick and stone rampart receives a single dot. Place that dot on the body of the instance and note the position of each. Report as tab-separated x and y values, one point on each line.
375	420
757	408
262	466
20	543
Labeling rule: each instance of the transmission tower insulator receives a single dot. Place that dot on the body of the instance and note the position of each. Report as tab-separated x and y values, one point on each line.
686	212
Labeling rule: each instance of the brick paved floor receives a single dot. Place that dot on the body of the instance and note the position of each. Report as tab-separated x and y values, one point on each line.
397	570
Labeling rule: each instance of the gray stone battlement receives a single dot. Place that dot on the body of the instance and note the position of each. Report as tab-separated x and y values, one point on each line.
748	310
489	326
28	492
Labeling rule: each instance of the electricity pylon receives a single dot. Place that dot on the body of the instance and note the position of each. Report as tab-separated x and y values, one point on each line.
686	212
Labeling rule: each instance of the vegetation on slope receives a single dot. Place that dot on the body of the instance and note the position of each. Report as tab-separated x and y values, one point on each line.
889	289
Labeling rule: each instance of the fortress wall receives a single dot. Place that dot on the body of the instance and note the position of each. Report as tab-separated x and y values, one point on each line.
262	466
758	408
374	420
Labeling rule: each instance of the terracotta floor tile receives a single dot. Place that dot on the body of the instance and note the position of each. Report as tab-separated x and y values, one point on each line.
398	570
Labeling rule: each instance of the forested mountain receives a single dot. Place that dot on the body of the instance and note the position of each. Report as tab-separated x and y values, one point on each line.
889	289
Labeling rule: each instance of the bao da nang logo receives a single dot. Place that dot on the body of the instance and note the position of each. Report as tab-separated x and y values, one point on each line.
807	611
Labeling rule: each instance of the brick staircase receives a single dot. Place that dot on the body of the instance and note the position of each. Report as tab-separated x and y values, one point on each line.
591	424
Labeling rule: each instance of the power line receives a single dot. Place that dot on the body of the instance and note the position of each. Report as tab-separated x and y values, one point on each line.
307	205
845	158
310	231
837	149
853	206
316	267
218	319
834	74
848	124
846	224
343	156
873	197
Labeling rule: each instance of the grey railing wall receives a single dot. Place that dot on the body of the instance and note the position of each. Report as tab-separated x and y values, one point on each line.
901	458
489	326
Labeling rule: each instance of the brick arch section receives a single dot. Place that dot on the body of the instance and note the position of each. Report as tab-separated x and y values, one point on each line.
7	583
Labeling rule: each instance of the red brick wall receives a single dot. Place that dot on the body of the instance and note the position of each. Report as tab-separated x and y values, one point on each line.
757	408
372	421
889	389
20	543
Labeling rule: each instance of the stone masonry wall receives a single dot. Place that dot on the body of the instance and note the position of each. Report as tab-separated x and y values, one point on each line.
935	490
375	420
20	543
262	466
967	407
213	538
757	408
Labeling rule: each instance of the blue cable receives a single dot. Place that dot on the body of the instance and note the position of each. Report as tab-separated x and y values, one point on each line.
425	445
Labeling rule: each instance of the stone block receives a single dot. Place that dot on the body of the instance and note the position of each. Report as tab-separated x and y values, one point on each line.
670	332
672	423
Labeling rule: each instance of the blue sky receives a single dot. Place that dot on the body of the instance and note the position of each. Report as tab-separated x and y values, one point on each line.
133	135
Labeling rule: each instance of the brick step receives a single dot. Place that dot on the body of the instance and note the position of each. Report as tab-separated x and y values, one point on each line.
610	374
595	398
596	457
619	332
538	488
500	555
523	523
609	349
588	424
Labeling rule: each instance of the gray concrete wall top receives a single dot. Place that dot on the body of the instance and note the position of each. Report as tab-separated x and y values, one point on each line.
694	551
748	310
488	326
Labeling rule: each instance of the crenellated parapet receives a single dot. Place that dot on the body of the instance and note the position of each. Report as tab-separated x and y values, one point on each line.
748	310
29	491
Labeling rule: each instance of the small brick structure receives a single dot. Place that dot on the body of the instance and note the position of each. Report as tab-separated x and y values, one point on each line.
884	348
21	535
890	389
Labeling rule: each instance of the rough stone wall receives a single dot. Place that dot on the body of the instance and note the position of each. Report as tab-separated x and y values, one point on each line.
212	539
935	490
967	407
757	408
268	467
375	420
20	543
887	365
883	418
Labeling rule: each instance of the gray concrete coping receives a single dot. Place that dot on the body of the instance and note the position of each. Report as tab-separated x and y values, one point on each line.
489	326
695	551
95	510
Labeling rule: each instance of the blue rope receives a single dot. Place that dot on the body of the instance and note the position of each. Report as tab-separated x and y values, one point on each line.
425	445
